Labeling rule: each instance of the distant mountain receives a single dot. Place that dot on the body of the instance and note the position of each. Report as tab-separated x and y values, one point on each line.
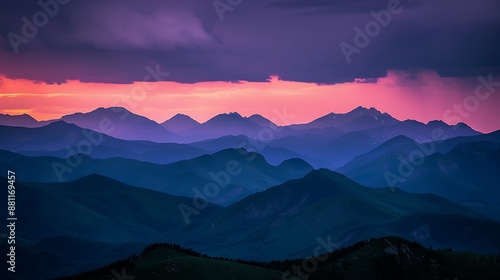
179	178
330	153
469	172
223	125
398	144
274	155
60	139
357	119
405	145
23	120
290	217
449	144
126	125
336	139
420	132
180	123
260	120
342	149
336	151
121	123
308	134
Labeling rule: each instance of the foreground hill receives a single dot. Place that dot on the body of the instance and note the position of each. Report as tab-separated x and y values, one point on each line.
164	261
384	258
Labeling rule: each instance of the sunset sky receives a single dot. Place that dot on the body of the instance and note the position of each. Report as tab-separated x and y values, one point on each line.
259	56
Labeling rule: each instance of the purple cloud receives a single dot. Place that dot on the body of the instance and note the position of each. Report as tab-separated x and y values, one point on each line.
112	41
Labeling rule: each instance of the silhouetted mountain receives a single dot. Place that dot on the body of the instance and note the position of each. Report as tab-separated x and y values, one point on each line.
255	170
357	119
180	123
179	178
100	209
260	120
325	203
398	144
405	145
274	155
166	261
222	125
382	258
342	149
337	151
121	123
64	255
322	209
308	134
376	127
420	131
61	219
62	140
469	172
449	144
23	120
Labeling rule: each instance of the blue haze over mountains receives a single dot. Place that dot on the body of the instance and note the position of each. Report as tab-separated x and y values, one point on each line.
328	177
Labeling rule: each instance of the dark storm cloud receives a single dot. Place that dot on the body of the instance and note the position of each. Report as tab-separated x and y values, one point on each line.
336	6
113	41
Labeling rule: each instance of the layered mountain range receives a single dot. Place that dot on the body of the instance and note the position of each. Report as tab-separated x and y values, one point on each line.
109	182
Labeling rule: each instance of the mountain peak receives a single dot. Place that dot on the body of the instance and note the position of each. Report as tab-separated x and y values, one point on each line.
179	115
262	121
330	115
233	114
296	164
181	118
60	124
462	125
100	112
240	153
366	111
437	123
127	125
180	123
23	120
226	116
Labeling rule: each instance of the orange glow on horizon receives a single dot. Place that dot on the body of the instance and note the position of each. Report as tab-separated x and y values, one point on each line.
425	99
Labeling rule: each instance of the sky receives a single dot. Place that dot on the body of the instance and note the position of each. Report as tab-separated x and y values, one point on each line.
414	59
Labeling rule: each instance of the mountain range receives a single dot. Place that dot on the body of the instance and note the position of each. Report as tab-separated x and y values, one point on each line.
96	187
323	205
121	123
179	178
463	171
